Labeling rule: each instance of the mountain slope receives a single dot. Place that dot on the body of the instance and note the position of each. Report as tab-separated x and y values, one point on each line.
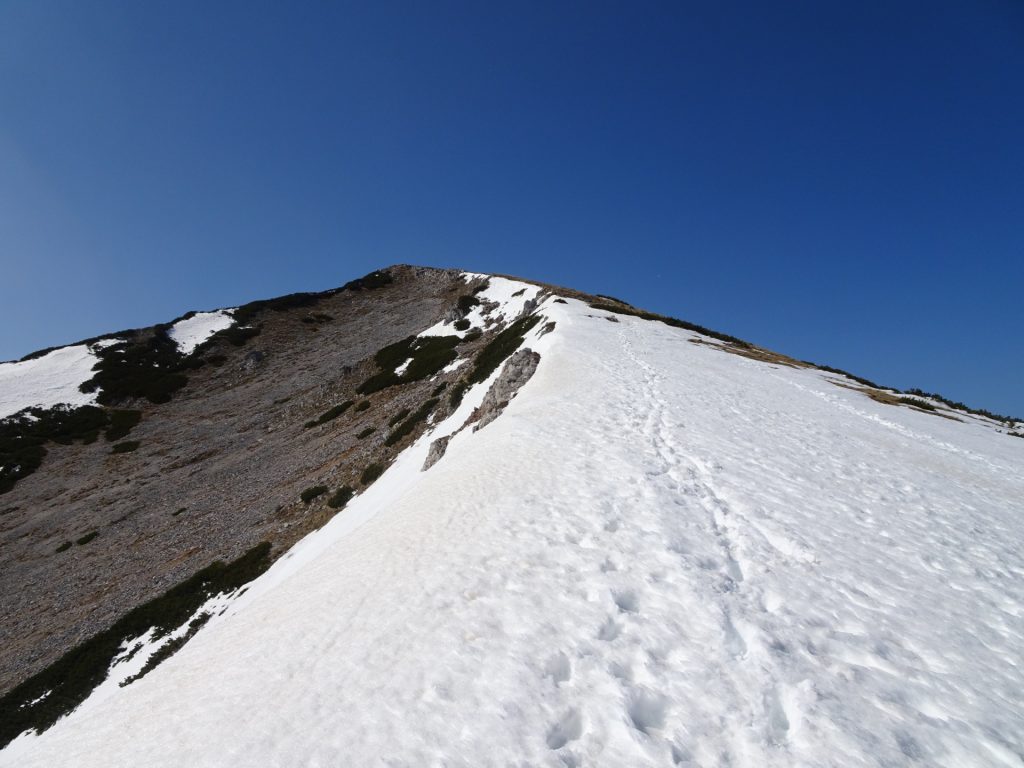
659	554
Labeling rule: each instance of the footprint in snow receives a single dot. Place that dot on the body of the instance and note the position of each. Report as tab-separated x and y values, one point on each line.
568	727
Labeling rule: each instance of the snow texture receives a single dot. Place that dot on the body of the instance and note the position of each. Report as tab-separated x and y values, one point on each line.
660	554
190	333
52	379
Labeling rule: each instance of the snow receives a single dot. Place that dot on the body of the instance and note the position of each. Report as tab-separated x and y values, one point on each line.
500	291
660	554
50	380
190	333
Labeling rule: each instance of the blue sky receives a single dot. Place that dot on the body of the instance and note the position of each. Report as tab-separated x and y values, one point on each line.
843	182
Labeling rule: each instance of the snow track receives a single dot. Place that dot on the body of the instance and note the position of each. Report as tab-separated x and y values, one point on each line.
660	554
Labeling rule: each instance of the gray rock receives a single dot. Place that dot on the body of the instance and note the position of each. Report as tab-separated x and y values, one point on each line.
517	371
436	451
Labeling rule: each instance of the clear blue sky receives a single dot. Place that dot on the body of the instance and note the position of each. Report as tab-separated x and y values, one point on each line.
843	182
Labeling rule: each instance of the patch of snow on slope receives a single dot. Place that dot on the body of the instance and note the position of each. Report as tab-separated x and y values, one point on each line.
510	296
660	554
52	379
190	333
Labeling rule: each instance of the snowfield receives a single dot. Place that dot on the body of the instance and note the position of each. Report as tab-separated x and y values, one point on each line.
190	333
52	379
660	554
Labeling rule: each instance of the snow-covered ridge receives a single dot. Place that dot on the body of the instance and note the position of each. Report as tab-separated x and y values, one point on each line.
659	555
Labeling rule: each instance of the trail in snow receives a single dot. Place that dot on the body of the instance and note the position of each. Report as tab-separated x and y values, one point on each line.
660	554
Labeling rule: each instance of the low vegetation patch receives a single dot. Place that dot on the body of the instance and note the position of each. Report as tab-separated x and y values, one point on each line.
426	355
366	433
399	416
23	437
329	415
457	393
40	701
498	349
625	309
121	423
462	325
916	403
362	405
466	303
311	493
340	497
407	426
146	366
958	406
847	374
64	547
87	538
370	282
371	473
128	446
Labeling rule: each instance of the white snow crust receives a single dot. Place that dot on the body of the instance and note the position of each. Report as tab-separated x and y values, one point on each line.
52	379
190	333
660	554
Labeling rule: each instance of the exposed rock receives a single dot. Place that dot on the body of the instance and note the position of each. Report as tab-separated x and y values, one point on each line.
517	371
437	449
252	360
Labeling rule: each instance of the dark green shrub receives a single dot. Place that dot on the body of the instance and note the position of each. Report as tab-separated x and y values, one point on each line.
482	287
961	407
439	389
330	414
311	493
466	303
378	381
121	423
561	301
366	433
461	325
426	355
40	701
149	367
497	350
126	447
612	298
457	393
87	538
178	511
847	374
340	497
520	292
472	336
362	405
237	335
372	281
23	437
407	426
917	403
399	416
371	473
64	547
625	309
